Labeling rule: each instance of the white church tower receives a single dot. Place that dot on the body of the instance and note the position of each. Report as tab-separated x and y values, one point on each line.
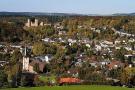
25	61
25	64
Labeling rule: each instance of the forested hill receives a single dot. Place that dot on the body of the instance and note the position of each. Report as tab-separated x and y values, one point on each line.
11	32
12	27
37	14
59	14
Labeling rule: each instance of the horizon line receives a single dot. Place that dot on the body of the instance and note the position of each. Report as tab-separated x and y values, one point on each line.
68	12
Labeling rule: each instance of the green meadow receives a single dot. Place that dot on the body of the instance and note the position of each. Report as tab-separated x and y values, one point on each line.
77	87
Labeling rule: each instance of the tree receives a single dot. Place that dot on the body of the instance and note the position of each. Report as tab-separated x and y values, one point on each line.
3	78
120	54
38	48
13	72
127	75
115	73
16	56
36	68
51	49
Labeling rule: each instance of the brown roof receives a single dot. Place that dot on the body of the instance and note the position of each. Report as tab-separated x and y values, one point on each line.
41	64
115	62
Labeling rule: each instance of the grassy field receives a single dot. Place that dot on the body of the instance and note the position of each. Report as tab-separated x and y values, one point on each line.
74	88
45	78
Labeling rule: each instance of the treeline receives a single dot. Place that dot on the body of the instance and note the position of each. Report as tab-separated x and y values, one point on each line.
11	32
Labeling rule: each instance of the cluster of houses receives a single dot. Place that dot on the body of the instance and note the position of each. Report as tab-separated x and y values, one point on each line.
103	46
28	62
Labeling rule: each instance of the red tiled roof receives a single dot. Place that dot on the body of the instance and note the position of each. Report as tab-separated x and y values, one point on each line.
115	62
69	80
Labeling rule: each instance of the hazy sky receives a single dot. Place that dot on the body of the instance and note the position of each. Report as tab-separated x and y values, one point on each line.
69	6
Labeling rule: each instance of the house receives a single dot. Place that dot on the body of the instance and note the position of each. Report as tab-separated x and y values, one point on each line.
88	45
85	40
58	26
15	46
92	28
2	63
33	63
73	72
80	26
61	40
72	41
28	65
46	39
97	30
69	80
131	40
117	47
133	62
117	42
115	64
122	33
94	64
98	47
78	64
103	45
130	57
61	32
108	42
45	58
128	48
105	62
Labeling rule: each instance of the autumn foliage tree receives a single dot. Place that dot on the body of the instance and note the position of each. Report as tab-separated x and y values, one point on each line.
38	48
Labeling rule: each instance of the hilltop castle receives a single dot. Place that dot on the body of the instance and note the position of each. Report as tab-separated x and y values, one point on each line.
35	23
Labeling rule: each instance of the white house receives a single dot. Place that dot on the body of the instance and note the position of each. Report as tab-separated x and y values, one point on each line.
108	42
88	45
98	47
45	58
72	41
46	39
117	41
128	48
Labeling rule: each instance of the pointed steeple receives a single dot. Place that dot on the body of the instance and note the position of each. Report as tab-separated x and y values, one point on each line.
25	51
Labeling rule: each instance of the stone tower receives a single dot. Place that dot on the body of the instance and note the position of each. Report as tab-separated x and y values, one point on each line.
36	22
42	24
28	24
25	61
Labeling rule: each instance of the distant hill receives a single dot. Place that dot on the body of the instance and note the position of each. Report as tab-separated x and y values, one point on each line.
124	14
59	14
36	14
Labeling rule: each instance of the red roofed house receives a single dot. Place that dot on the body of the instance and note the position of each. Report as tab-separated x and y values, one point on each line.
69	80
115	64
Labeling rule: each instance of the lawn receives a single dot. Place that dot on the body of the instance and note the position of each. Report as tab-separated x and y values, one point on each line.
74	88
45	78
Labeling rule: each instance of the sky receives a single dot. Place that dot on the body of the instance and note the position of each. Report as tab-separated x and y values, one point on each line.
69	6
